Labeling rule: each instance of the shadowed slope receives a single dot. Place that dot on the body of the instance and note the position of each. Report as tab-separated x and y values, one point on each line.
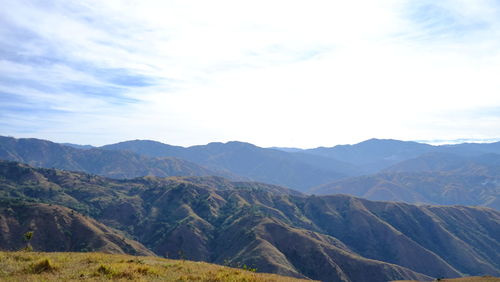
57	228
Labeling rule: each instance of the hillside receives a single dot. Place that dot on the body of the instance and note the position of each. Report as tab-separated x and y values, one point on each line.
274	229
485	278
35	266
115	164
434	178
58	228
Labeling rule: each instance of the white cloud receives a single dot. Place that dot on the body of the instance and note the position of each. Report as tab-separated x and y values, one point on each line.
287	73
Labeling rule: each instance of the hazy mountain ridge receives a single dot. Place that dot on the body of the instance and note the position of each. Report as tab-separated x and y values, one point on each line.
301	169
218	220
436	178
374	154
296	171
378	154
115	164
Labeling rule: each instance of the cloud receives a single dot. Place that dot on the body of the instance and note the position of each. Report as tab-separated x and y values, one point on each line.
288	73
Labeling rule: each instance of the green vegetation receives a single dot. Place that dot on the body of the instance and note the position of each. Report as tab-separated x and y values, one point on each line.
27	237
34	266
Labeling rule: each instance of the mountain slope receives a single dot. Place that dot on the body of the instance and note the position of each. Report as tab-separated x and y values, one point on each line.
59	229
321	237
434	178
114	164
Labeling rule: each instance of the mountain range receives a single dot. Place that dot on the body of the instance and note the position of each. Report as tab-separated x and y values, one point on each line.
369	169
115	164
436	178
297	171
274	229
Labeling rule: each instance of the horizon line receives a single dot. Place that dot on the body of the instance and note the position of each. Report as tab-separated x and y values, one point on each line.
432	142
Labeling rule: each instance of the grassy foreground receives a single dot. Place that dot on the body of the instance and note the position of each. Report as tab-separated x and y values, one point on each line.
35	266
463	279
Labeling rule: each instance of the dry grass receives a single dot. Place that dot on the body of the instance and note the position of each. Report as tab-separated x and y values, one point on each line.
34	266
463	279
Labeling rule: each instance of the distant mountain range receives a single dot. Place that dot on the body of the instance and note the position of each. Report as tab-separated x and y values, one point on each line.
329	238
115	164
436	178
375	169
297	171
375	155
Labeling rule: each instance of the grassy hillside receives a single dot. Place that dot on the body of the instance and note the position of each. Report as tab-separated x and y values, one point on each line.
34	266
485	278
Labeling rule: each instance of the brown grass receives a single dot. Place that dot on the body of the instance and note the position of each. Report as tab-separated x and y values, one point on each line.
33	266
463	279
43	265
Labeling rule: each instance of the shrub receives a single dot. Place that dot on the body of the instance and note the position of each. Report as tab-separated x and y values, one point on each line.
42	266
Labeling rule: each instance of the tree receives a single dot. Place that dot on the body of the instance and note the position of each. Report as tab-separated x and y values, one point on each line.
27	237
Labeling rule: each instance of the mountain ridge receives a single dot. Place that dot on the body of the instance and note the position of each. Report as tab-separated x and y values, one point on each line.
245	159
42	153
434	178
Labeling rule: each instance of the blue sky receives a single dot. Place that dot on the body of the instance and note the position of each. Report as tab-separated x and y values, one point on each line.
273	73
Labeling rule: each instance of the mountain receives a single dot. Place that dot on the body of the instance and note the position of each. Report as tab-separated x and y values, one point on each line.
433	178
471	149
486	164
297	171
116	164
374	154
328	238
440	188
77	146
433	161
287	149
59	229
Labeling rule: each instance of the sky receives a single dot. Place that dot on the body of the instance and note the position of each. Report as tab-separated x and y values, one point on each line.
272	73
